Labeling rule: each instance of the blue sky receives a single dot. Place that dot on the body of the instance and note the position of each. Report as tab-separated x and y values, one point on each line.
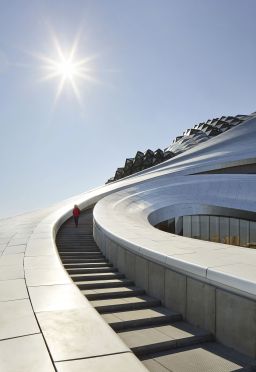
161	67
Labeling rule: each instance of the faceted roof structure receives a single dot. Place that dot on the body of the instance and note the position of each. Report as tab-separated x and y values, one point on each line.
191	137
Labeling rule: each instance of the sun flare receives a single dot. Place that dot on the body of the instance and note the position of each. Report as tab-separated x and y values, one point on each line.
68	68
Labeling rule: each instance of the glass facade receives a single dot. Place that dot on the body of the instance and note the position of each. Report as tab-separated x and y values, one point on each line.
219	229
214	229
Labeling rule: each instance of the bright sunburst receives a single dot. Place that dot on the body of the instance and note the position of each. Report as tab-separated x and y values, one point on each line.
67	68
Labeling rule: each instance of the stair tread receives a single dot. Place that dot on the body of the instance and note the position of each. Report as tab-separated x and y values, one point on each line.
91	270
209	357
71	251
122	301
97	276
104	281
83	260
109	273
174	333
92	265
78	254
110	290
119	317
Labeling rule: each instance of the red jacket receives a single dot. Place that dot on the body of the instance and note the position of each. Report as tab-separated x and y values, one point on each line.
76	212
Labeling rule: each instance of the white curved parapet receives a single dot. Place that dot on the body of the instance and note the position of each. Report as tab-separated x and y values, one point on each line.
174	189
45	319
124	218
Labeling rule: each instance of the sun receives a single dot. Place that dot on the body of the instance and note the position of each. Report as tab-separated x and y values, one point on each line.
67	68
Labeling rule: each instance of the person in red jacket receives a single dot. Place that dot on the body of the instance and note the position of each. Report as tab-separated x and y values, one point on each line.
76	214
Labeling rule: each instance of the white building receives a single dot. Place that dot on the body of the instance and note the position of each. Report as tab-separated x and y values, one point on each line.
204	196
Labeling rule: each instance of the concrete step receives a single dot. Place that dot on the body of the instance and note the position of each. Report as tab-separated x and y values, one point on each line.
75	238
125	304
78	239
90	270
144	341
82	260
141	318
107	293
77	252
82	257
98	276
208	357
81	242
80	254
75	234
77	246
95	284
87	265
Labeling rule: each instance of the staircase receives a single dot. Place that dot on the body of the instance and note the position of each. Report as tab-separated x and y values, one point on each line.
158	336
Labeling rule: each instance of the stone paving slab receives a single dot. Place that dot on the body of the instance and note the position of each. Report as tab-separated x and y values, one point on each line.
79	333
14	249
56	297
23	234
17	319
37	277
13	290
40	247
124	362
11	272
4	241
18	241
12	260
30	353
41	262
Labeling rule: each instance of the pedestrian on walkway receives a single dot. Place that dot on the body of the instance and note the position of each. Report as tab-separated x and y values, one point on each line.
76	214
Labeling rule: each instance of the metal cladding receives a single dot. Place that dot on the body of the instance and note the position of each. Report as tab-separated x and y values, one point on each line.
191	137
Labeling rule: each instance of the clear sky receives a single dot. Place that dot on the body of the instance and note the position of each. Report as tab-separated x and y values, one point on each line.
156	68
